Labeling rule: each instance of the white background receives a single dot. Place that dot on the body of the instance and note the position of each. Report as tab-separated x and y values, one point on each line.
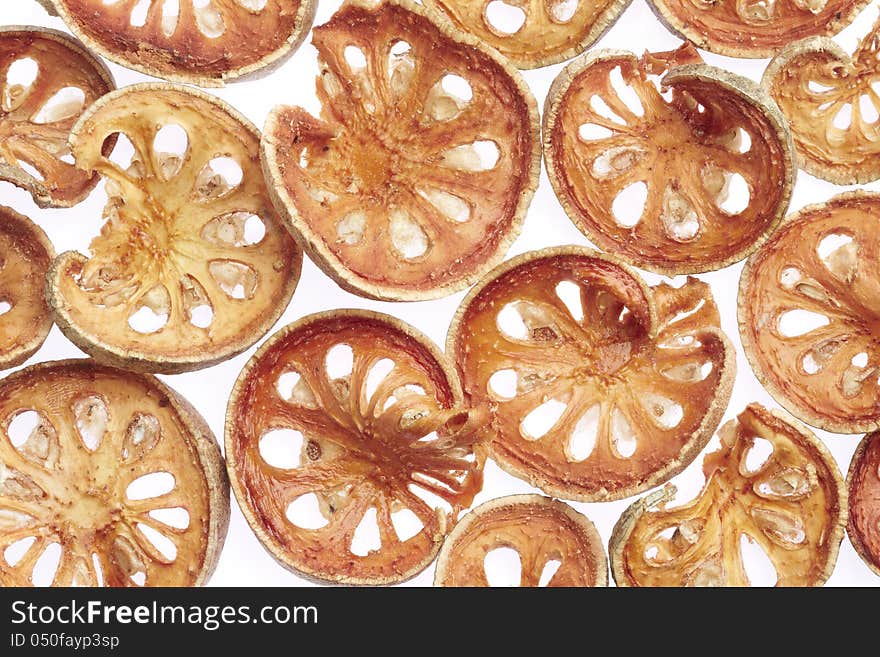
244	561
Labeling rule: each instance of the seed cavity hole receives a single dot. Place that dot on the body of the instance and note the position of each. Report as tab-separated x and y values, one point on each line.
175	517
339	361
629	205
449	205
153	312
843	118
64	104
867	109
406	524
583	437
281	448
480	155
236	279
350	229
600	107
542	419
366	537
678	216
139	13
408	238
552	566
170	16
504	19
15	551
625	92
502	385
623	439
797	322
379	371
592	132
20	78
757	456
91	417
759	569
511	323
503	567
355	58
569	293
141	435
164	545
208	19
217	178
305	512
148	486
46	566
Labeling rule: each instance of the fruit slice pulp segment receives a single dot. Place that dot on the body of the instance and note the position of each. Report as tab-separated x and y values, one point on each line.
789	505
812	314
864	501
369	443
65	472
616	385
690	152
44	87
413	175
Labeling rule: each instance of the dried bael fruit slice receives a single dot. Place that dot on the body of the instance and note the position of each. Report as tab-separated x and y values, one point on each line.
772	488
754	28
204	42
193	264
417	177
829	100
48	79
863	483
597	386
347	446
809	310
534	33
681	175
25	256
553	544
107	478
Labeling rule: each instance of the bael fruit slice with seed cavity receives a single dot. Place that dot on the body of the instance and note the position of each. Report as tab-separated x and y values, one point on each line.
809	313
597	386
753	28
790	502
545	533
203	42
829	100
417	177
863	484
113	471
386	448
25	256
684	174
48	80
192	265
534	33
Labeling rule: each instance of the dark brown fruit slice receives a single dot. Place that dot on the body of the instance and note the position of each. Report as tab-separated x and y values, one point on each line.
114	472
544	532
377	411
597	387
863	483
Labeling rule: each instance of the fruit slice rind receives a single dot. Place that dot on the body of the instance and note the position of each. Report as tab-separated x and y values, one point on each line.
159	63
747	102
47	194
202	452
274	261
659	312
784	391
341	417
796	442
860	468
473	527
289	122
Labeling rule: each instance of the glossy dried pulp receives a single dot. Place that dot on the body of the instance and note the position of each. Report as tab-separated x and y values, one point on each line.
374	443
808	313
544	532
609	392
792	504
25	256
48	80
680	183
79	444
204	43
417	176
177	279
864	501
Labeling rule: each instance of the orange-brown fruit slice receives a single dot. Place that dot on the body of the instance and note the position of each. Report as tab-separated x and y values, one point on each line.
772	486
193	264
597	386
754	28
25	256
863	482
829	100
534	33
681	174
107	478
203	42
417	177
348	449
809	312
47	80
554	544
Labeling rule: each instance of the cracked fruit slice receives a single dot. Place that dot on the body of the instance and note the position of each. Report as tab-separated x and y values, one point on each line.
348	449
597	386
417	177
25	256
809	315
772	488
534	33
863	483
832	108
554	545
684	174
753	28
203	42
192	265
107	478
47	80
